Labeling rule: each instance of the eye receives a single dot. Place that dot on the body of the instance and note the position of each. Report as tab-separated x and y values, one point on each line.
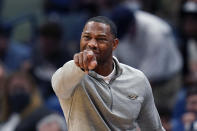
85	37
101	39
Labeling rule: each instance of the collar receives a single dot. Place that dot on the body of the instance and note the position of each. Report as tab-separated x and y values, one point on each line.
110	76
117	71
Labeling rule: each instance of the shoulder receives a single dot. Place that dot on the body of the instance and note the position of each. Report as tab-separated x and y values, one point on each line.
133	74
135	79
130	70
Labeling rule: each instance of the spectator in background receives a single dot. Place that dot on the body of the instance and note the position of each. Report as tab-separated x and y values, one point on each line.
22	105
52	122
12	54
188	121
189	30
49	56
95	7
150	46
56	6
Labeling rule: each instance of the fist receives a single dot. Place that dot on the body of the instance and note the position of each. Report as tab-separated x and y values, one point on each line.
86	60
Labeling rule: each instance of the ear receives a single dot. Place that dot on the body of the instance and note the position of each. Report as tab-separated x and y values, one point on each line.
115	43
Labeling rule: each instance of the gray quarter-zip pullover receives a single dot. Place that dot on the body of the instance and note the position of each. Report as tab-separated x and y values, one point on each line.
91	104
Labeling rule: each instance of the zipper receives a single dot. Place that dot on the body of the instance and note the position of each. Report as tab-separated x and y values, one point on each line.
108	85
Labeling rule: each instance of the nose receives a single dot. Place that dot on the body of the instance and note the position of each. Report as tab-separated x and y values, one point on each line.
92	44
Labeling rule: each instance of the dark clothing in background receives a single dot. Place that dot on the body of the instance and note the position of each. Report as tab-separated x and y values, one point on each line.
43	69
29	123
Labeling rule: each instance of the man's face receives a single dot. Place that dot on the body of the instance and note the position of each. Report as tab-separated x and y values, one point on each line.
192	103
98	38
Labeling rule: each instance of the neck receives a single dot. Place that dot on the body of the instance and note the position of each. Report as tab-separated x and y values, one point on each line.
105	69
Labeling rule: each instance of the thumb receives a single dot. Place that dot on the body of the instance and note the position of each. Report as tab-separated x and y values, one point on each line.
92	65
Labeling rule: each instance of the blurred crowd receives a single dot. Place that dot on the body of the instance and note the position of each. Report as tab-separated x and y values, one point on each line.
159	37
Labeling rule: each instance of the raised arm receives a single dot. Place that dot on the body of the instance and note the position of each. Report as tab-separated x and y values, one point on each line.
66	78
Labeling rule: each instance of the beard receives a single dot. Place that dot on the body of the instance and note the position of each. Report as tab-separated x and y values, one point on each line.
104	58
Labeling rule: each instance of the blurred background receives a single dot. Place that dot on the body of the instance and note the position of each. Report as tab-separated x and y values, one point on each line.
159	37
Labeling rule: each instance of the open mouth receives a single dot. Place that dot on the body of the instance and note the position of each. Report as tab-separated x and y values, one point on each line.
94	51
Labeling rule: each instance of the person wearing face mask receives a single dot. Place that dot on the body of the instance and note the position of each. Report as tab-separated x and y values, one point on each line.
22	105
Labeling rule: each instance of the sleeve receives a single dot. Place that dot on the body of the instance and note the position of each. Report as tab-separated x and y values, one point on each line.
148	119
65	79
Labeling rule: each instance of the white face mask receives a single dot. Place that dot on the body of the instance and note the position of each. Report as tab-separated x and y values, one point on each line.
133	4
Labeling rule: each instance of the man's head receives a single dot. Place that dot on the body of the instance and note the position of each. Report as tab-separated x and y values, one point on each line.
107	21
100	36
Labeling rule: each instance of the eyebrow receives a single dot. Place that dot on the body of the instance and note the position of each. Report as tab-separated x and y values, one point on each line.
100	35
86	33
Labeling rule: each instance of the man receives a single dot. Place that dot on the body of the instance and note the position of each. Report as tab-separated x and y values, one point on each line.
97	92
